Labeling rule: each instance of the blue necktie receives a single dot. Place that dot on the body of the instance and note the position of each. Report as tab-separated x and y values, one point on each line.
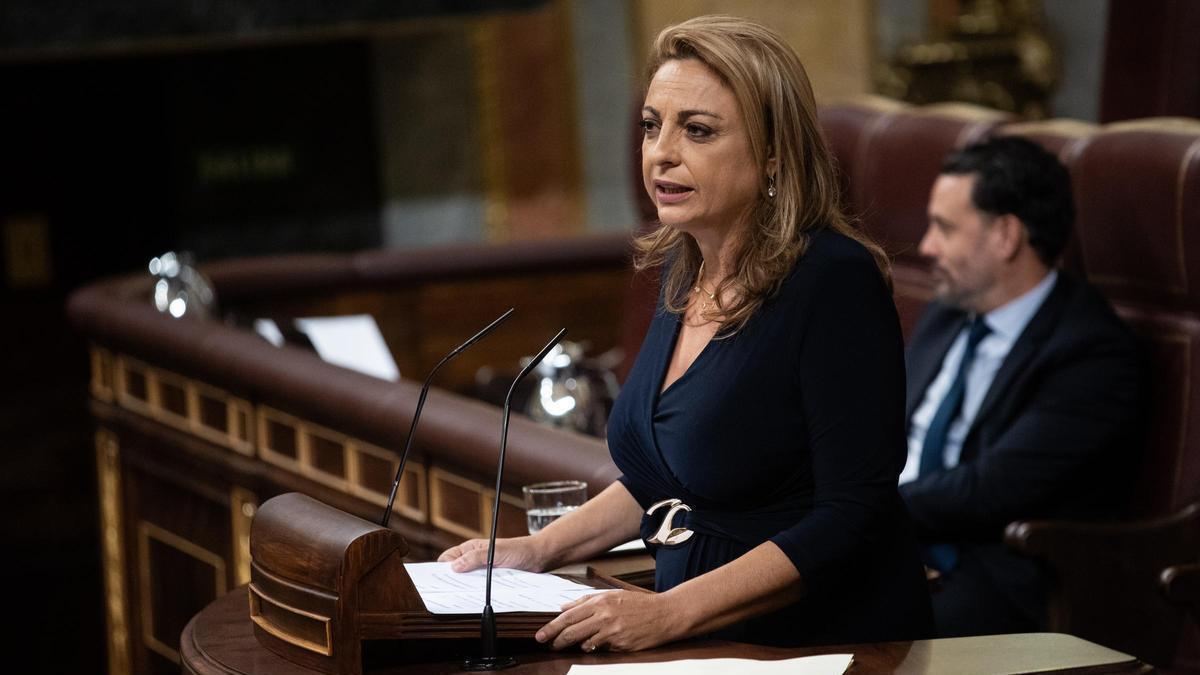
945	556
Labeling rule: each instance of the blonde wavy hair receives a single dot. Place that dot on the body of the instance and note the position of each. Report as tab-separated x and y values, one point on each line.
777	103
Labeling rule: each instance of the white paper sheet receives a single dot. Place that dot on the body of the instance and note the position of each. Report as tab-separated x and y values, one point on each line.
635	545
269	331
445	591
352	342
825	664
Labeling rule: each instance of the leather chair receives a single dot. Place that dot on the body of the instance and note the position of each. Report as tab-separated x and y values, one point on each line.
889	154
1137	186
1137	189
1181	585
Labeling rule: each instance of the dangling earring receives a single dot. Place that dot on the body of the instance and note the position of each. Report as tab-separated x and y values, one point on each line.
771	191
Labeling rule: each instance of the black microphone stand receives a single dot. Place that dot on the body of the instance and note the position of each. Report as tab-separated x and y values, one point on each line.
488	660
412	430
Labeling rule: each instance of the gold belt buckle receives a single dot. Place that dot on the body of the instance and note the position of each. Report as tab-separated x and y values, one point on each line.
668	534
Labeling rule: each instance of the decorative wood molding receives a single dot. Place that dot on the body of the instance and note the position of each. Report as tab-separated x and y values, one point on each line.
438	514
182	403
112	547
309	442
101	384
323	623
146	532
243	504
134	385
413	481
267	421
441	518
249	430
285	441
324	445
489	496
231	427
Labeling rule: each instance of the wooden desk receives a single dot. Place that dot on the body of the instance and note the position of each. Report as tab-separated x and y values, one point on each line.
220	641
200	422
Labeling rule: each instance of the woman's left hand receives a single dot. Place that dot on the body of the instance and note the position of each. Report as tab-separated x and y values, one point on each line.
617	621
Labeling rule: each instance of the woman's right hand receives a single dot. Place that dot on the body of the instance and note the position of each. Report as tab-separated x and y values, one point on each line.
522	553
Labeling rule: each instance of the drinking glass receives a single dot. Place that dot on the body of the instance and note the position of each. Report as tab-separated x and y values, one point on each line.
546	502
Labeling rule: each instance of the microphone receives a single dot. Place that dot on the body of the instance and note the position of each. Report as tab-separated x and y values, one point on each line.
487	626
387	511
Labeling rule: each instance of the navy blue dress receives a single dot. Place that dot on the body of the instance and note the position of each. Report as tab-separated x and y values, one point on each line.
791	430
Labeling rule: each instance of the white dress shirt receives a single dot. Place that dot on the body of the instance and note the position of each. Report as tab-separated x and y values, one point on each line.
1007	322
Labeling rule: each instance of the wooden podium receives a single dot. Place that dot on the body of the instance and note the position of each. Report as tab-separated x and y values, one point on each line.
322	581
220	641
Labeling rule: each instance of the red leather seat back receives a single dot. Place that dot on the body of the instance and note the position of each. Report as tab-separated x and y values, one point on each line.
889	155
1139	220
1137	237
844	126
1139	241
895	162
1169	468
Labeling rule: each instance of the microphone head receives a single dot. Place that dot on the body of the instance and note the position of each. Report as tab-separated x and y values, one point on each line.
412	430
483	333
533	364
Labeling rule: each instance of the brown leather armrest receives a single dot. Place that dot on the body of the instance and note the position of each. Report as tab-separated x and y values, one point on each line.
1181	585
1051	539
1106	577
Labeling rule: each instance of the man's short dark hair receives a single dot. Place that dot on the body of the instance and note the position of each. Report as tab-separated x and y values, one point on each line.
1017	176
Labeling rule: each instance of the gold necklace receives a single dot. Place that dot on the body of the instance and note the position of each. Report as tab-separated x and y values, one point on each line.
696	288
703	306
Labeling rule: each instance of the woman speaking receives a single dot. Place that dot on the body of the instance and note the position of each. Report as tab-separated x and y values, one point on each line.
760	433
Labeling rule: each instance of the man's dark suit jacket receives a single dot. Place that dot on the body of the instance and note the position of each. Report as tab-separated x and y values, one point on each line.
1055	434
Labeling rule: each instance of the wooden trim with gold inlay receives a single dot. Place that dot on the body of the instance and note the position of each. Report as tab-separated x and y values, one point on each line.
264	416
162	381
112	546
146	531
414	473
255	438
231	436
241	426
486	510
351	448
437	476
122	366
101	384
243	504
484	495
238	412
308	463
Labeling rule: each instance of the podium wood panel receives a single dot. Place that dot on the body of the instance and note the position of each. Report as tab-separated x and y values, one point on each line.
220	641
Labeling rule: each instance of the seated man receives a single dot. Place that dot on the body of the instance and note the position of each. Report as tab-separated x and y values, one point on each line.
1024	388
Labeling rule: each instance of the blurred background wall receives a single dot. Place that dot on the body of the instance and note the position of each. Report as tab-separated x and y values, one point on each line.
131	127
